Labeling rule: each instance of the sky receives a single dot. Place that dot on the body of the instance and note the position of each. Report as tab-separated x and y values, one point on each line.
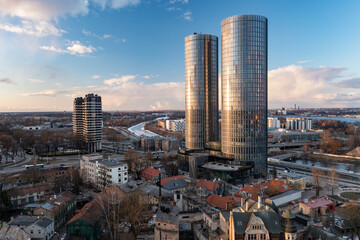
131	52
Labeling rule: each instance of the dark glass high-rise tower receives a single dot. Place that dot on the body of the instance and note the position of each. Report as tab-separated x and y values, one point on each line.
244	89
201	90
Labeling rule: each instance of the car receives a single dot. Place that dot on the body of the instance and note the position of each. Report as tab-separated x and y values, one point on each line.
62	165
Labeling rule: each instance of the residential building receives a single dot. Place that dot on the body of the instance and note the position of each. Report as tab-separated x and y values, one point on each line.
88	221
251	225
316	207
176	184
289	225
201	90
103	172
166	226
222	203
41	228
294	180
13	233
111	172
177	125
273	122
253	191
244	89
299	124
285	197
28	194
205	188
152	175
60	207
87	121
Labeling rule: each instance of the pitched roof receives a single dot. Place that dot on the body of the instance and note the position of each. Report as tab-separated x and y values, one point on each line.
175	184
151	171
271	221
26	190
54	202
221	202
94	210
164	181
212	186
256	189
23	220
44	222
317	202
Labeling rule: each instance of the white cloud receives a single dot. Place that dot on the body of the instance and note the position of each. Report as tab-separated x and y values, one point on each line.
126	95
42	9
35	28
116	3
305	61
34	80
76	48
309	87
187	16
73	48
181	1
107	36
150	76
96	76
173	9
121	80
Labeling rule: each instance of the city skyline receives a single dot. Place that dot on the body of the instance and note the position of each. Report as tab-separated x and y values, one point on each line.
52	52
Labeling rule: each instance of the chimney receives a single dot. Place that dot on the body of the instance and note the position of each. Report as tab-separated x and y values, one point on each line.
259	202
247	206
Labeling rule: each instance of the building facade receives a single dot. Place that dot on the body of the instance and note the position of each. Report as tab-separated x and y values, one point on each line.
87	121
299	124
201	90
244	89
103	172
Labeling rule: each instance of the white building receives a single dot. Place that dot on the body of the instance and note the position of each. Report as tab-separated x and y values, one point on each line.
273	122
299	123
103	172
41	228
175	125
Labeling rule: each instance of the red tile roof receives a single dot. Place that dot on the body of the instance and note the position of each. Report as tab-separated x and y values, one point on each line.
256	189
212	186
150	172
168	179
317	202
223	203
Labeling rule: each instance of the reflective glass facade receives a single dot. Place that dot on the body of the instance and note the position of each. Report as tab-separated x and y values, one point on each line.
201	90
244	89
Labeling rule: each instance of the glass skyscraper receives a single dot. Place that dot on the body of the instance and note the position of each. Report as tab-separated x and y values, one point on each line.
201	90
244	89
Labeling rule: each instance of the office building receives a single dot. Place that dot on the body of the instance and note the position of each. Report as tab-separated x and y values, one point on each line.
201	90
244	90
87	121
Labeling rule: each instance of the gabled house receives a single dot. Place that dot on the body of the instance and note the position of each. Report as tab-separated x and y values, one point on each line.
152	175
205	188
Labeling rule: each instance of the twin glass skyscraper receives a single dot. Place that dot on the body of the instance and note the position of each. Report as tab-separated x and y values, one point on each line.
244	89
201	90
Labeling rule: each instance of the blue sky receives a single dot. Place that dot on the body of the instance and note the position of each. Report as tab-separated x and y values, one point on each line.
131	52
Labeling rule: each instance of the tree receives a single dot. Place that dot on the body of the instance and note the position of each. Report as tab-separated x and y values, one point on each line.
333	175
316	175
274	172
351	217
273	190
5	201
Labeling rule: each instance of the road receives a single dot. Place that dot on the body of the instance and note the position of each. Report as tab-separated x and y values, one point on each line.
126	133
11	170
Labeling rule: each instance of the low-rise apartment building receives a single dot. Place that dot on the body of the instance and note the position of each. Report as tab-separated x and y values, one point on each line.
28	194
60	207
103	172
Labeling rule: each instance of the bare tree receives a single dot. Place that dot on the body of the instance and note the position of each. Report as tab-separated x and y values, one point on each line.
333	175
351	217
316	175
